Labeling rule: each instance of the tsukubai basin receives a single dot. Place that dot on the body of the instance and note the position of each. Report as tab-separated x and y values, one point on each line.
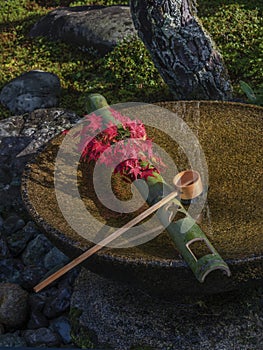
230	135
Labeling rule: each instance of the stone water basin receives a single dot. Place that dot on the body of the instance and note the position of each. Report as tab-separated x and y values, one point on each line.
230	135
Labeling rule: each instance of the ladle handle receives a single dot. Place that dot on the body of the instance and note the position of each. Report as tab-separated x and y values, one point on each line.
104	242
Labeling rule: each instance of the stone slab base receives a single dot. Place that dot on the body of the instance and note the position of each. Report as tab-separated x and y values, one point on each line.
107	314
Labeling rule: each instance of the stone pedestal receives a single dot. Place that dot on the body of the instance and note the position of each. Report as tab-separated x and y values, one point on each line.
107	314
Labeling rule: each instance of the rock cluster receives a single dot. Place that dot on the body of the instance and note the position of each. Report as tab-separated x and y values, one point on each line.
26	255
27	318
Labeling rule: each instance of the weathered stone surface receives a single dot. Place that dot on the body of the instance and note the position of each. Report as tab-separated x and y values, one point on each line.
30	230
16	133
36	250
30	91
13	304
5	175
4	251
31	275
55	306
1	222
41	337
11	127
37	301
12	224
11	340
88	27
11	270
43	124
55	258
17	241
62	326
32	130
37	320
24	135
107	312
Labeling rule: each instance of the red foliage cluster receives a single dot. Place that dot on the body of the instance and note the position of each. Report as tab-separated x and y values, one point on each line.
124	147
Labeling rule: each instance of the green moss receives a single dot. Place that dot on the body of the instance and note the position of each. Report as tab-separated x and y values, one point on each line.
121	65
80	335
237	31
127	73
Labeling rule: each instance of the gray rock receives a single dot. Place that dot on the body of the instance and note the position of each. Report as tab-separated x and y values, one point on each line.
56	305
24	135
11	340
12	224
10	146
5	175
62	326
87	27
36	250
11	127
18	241
4	251
30	230
42	125
55	258
11	270
30	91
13	304
41	337
37	320
37	301
31	275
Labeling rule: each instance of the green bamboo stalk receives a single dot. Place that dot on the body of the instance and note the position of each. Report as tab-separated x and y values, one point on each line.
185	231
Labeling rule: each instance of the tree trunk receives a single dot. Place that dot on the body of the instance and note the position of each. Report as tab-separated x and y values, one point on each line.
181	50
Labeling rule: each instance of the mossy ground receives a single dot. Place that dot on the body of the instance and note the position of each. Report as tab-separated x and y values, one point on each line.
127	73
79	334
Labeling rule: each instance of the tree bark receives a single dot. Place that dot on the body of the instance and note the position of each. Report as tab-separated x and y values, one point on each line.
181	50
